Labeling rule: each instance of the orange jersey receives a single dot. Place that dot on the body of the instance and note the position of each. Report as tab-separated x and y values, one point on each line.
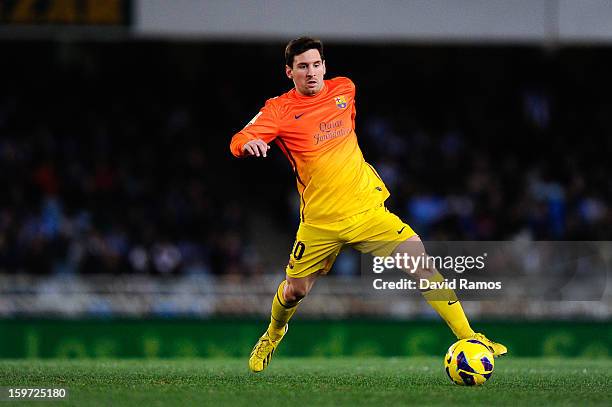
317	134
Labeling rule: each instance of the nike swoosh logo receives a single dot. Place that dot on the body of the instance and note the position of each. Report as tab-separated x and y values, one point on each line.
297	116
452	302
400	231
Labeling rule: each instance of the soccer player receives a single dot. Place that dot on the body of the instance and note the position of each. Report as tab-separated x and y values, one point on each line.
342	196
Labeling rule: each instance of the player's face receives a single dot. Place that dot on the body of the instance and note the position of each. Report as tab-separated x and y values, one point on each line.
307	72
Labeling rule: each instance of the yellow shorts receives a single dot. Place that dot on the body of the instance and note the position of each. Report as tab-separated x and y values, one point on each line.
376	231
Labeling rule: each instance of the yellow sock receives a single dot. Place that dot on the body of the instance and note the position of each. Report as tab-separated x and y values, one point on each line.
282	311
445	302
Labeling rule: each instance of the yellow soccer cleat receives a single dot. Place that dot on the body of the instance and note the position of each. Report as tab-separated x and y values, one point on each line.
497	349
263	350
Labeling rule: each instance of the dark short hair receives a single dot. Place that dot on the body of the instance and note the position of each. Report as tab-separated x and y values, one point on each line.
301	45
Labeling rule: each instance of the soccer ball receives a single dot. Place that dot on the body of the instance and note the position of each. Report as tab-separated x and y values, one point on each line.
469	362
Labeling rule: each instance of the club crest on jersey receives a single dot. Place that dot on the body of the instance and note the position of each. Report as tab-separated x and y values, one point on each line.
340	102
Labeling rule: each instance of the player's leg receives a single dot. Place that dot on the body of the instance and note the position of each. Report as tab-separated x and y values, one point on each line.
288	295
382	233
444	300
313	254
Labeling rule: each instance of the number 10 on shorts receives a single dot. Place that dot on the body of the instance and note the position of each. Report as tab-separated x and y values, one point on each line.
298	250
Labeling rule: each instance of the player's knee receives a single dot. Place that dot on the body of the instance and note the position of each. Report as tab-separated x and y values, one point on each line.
295	292
422	266
424	272
420	269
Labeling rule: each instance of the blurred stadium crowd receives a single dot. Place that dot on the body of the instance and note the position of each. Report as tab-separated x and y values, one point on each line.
114	156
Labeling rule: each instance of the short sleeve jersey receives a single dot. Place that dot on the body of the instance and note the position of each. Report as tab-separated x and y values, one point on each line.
317	135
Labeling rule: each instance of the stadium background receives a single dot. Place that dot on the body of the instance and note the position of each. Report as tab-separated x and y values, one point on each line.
128	230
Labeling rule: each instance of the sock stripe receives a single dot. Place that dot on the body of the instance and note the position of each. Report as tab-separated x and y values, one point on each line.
281	303
281	313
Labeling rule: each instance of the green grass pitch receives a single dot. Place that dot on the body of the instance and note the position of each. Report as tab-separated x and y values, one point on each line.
311	381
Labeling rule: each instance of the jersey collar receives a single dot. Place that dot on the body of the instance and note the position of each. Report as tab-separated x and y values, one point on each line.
319	95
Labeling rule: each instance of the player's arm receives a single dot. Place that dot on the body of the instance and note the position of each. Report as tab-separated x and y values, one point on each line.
254	138
353	91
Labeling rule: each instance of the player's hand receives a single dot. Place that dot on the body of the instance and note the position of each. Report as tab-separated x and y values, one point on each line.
257	148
